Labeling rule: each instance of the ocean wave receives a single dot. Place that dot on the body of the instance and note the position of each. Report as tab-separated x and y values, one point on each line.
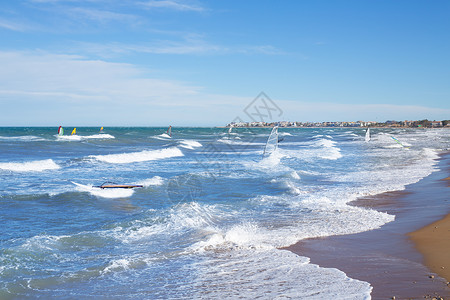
30	166
285	134
23	138
190	144
146	155
123	264
239	143
156	180
174	221
330	151
272	274
240	236
163	136
77	137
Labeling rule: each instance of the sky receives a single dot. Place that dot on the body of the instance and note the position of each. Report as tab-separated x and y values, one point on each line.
208	63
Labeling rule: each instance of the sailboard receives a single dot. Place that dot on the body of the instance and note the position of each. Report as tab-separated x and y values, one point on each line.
272	142
74	131
230	129
169	131
367	138
101	129
112	185
60	131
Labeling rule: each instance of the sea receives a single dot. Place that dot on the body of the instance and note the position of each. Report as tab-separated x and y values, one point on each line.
212	216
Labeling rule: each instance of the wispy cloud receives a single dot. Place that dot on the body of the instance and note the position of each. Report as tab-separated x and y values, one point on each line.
101	16
14	26
189	44
47	74
174	5
328	111
44	89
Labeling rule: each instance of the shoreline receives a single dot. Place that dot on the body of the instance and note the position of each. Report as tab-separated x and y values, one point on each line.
390	258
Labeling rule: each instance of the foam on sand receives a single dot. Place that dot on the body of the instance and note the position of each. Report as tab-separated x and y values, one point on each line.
146	155
30	166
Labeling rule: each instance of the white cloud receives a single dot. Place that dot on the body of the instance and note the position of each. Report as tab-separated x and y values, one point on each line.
73	75
46	89
328	111
14	26
185	46
101	16
39	88
175	5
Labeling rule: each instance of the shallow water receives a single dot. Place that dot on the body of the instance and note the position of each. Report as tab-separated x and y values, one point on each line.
211	214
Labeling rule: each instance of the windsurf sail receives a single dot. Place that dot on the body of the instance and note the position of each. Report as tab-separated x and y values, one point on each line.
367	135
398	142
60	130
229	129
74	131
101	129
272	142
169	131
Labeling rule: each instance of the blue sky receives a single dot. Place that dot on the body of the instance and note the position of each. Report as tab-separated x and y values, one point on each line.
200	63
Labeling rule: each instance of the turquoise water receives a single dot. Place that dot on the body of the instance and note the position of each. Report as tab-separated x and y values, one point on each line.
210	218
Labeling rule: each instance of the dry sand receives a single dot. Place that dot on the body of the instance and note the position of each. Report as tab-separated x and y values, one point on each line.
433	241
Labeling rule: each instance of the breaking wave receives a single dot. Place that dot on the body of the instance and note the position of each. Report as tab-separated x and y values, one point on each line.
146	155
30	166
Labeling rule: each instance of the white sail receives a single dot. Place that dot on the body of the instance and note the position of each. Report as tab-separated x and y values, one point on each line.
229	129
272	142
368	135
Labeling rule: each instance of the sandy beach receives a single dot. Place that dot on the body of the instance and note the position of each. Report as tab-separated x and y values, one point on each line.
407	258
433	241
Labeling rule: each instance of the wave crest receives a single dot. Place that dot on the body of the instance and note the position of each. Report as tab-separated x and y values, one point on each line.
146	155
31	166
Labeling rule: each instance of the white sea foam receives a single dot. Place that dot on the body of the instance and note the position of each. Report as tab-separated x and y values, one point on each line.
294	175
330	150
74	137
104	193
241	236
284	134
239	143
99	136
272	274
163	136
182	217
30	166
156	180
190	144
24	138
123	264
146	155
77	137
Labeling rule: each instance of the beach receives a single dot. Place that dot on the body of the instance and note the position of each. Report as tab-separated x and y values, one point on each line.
407	258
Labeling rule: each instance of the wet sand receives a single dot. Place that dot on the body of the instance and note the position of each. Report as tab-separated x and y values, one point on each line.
388	257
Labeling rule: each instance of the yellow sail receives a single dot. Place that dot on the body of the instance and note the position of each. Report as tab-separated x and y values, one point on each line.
74	131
